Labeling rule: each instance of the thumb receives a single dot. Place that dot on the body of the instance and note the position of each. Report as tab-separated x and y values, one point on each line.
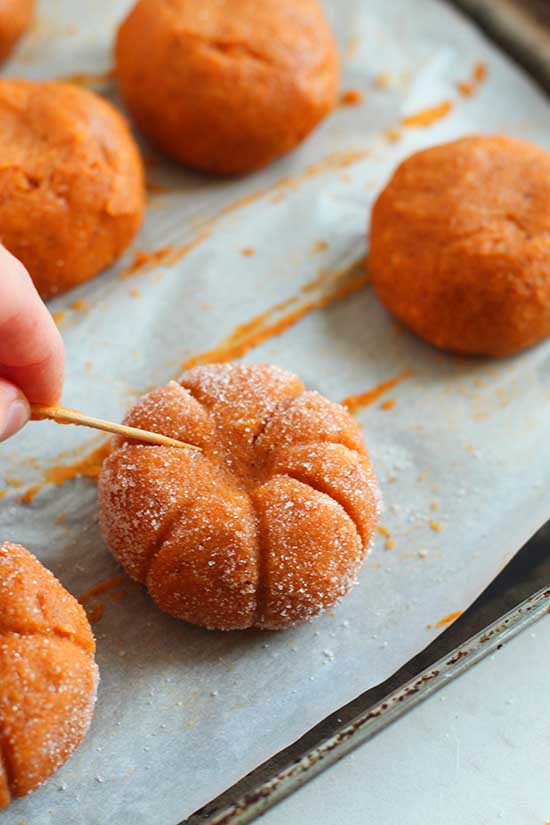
14	409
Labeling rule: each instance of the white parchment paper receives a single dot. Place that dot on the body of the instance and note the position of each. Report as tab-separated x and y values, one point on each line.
183	713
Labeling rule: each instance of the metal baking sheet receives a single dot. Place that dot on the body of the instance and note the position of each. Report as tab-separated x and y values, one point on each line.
183	713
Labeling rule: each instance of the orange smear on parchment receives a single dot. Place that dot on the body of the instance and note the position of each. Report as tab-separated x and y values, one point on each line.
262	328
29	494
147	260
449	619
331	163
428	116
354	403
168	255
95	613
103	586
89	466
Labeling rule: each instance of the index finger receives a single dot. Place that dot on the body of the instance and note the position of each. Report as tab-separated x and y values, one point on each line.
31	348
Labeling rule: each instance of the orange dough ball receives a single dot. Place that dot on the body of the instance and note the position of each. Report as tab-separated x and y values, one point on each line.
227	86
267	525
460	245
48	677
15	19
71	182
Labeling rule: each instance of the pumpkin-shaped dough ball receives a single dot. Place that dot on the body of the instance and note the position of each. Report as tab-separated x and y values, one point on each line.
71	182
460	245
48	677
227	86
267	525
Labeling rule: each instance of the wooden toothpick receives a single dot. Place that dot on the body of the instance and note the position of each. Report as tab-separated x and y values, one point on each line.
62	415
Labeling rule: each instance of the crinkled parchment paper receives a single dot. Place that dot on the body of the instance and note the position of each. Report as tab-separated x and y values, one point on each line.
463	456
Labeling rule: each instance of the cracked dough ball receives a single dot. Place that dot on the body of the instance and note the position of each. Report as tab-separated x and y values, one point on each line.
48	677
71	182
265	527
15	19
460	245
227	86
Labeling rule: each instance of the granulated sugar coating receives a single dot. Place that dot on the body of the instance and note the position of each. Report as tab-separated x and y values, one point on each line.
268	525
48	677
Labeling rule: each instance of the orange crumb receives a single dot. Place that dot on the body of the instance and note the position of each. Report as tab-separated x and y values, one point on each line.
3	494
95	613
449	619
480	72
388	405
351	97
435	505
353	403
58	316
135	293
320	246
429	626
101	587
389	543
88	366
248	251
428	116
468	87
392	135
382	80
59	519
436	526
80	305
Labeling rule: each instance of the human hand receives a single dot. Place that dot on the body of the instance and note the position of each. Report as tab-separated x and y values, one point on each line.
31	349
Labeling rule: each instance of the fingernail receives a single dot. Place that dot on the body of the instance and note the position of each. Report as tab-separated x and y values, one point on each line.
16	416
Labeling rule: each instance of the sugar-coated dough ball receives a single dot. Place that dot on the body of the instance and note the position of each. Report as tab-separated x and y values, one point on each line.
227	85
15	18
71	182
267	525
48	677
460	245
